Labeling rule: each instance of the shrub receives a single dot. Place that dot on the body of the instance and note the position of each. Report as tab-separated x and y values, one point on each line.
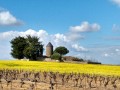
78	59
55	56
93	62
71	58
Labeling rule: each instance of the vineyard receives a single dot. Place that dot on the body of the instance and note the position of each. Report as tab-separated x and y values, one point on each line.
33	75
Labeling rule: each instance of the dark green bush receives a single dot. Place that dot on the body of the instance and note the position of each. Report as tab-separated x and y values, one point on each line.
93	62
55	56
77	59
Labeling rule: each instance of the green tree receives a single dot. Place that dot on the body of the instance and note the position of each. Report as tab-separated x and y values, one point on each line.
61	50
30	54
28	47
18	46
34	48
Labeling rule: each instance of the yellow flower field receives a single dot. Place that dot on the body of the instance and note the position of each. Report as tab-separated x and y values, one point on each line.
61	67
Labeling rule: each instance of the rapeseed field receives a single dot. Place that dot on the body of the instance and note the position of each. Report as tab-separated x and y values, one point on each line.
61	67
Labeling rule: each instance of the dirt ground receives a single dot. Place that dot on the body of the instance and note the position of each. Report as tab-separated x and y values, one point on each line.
28	85
30	80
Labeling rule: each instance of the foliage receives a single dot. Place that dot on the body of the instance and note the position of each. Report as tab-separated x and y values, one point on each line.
61	67
18	46
61	50
34	48
93	62
71	58
29	53
29	47
78	59
55	56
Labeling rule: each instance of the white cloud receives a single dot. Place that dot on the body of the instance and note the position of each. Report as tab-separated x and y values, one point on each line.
7	36
79	48
117	2
75	32
106	54
85	27
6	18
59	40
74	36
117	50
60	37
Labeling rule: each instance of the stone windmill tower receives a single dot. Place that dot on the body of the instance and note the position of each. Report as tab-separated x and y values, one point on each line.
49	49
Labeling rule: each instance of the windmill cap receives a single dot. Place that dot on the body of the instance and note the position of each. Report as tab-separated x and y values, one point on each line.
49	45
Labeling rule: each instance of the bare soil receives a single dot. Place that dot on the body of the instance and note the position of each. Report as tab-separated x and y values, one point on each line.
45	85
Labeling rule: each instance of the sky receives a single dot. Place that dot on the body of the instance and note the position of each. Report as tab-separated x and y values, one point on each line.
90	29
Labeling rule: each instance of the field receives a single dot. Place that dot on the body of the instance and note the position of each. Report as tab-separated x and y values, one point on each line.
35	75
62	67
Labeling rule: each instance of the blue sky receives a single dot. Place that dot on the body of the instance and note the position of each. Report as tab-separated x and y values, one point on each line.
89	29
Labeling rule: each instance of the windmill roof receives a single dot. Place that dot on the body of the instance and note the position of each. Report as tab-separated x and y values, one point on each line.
49	45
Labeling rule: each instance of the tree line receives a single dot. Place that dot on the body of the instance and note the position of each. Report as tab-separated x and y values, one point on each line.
30	47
